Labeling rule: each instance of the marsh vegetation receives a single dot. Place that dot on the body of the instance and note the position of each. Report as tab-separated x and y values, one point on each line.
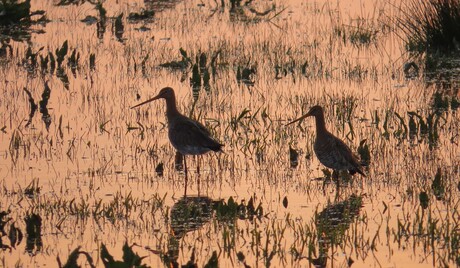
87	181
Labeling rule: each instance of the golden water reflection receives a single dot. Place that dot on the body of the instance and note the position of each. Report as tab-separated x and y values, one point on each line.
84	170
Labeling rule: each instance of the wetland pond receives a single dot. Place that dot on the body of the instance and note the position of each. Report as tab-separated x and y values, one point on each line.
86	180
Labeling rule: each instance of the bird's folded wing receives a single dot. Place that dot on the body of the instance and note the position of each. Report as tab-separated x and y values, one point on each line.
346	152
191	132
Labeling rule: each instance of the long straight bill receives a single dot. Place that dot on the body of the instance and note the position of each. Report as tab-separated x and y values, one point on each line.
145	102
298	119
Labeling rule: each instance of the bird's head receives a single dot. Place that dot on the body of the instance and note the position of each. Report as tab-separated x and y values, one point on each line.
314	111
165	93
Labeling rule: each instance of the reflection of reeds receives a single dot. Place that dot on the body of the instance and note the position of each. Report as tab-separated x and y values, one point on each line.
296	67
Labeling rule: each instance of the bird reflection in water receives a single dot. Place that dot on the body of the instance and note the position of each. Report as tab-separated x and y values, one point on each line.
188	214
331	224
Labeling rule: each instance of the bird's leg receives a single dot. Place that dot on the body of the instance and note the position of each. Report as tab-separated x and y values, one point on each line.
186	177
337	190
335	178
198	164
335	175
178	161
198	171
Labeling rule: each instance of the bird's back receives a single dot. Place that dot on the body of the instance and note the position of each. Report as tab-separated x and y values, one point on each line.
190	137
334	153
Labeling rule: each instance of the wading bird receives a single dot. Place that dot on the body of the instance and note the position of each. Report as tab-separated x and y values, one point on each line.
330	150
186	135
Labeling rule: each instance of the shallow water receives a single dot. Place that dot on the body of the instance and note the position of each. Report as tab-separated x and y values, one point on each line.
90	175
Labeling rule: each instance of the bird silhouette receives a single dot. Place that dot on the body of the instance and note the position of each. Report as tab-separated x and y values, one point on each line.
330	150
187	136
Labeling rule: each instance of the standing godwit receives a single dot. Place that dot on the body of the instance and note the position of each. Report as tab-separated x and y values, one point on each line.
186	135
330	150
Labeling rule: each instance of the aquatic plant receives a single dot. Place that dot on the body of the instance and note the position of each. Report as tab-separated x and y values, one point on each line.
431	26
16	12
16	19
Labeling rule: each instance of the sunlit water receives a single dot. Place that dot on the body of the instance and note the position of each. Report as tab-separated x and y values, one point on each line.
91	175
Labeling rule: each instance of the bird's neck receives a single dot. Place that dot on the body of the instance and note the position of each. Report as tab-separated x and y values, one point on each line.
320	124
171	108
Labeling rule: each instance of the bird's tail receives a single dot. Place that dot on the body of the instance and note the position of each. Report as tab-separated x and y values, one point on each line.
216	147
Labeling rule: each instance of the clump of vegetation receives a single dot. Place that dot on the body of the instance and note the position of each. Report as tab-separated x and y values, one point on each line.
143	15
431	26
73	257
202	68
130	259
17	14
362	33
